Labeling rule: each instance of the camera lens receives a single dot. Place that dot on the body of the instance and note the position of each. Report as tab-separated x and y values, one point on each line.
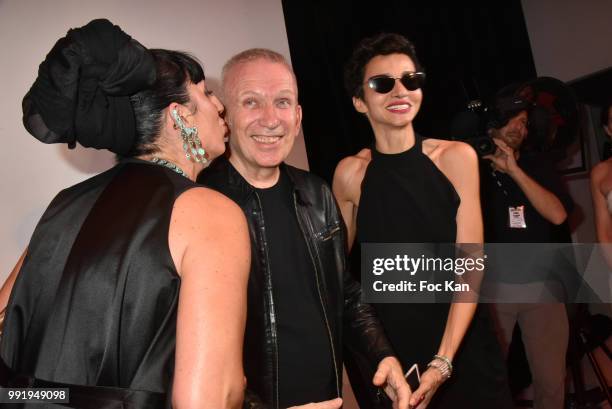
483	145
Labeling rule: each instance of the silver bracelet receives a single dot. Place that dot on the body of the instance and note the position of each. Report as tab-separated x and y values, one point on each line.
445	359
442	364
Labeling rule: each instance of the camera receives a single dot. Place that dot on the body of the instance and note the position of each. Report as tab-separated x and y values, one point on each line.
483	145
471	127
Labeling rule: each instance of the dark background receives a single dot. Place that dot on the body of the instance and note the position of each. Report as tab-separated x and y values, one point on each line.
468	52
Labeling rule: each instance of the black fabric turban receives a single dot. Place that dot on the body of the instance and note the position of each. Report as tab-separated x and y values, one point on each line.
83	88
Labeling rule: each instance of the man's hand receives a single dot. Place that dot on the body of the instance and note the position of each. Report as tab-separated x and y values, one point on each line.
546	203
390	377
430	381
328	404
503	159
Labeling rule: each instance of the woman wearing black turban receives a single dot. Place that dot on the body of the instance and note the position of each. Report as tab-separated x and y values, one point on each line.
132	290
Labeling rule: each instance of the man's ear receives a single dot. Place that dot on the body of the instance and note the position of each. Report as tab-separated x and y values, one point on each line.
359	105
298	116
608	130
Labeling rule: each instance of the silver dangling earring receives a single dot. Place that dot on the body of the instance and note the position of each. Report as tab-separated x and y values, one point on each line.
192	145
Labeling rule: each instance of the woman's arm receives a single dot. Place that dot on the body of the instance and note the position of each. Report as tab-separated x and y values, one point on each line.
345	187
210	245
5	291
460	165
603	220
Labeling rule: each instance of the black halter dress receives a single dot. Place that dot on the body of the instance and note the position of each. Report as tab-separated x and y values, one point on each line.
405	198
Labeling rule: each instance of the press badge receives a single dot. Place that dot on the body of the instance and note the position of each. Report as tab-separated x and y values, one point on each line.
517	217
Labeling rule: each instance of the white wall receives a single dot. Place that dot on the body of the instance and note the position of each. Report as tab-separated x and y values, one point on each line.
569	38
32	172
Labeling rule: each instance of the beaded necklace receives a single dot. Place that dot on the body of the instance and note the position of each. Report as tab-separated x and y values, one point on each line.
169	165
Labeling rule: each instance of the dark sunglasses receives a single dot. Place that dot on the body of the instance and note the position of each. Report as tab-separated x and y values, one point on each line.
385	83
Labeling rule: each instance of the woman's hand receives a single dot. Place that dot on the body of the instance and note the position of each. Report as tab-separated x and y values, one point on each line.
431	380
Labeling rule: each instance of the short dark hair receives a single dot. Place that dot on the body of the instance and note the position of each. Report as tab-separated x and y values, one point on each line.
175	69
368	48
604	116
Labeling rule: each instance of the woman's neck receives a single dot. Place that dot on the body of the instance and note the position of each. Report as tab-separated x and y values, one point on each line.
394	140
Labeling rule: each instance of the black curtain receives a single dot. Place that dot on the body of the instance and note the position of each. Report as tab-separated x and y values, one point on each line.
468	52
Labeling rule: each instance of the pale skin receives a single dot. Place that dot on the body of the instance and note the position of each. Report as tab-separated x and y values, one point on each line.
5	291
391	117
212	257
265	117
601	186
508	140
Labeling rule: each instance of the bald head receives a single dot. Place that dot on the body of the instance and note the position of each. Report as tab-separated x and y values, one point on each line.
252	55
263	113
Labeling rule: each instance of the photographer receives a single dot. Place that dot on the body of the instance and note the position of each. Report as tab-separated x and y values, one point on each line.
523	202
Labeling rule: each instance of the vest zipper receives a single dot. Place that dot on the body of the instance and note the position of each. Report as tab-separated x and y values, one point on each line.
330	234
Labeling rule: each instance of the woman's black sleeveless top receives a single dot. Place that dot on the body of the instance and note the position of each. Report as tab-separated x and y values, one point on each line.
405	198
96	300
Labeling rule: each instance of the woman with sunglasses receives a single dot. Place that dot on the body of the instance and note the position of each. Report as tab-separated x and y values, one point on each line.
409	189
132	292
